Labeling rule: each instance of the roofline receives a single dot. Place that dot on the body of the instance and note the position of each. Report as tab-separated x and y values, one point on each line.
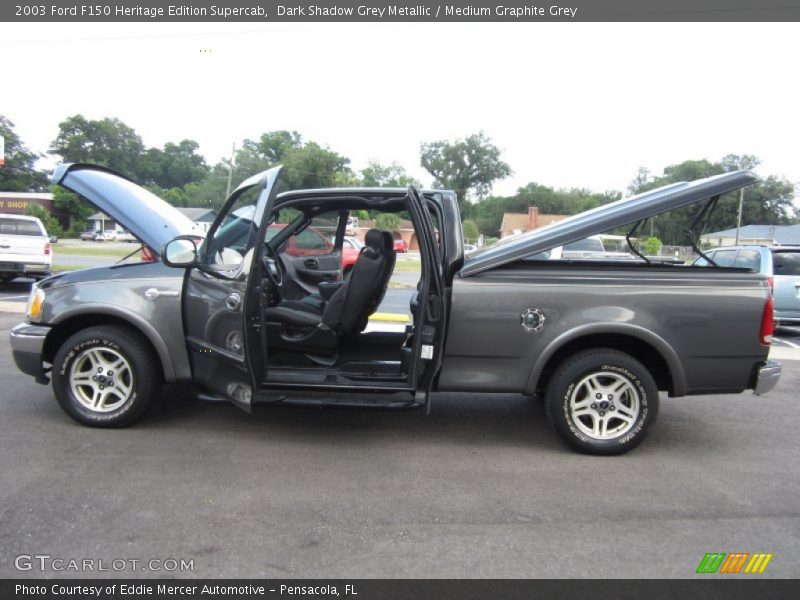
354	191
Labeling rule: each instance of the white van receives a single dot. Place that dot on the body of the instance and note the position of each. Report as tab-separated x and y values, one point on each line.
24	248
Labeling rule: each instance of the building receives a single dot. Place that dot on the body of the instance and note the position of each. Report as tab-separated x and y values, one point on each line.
764	235
516	223
405	231
16	203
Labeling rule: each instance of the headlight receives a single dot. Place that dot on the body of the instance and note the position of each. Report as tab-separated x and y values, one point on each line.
35	303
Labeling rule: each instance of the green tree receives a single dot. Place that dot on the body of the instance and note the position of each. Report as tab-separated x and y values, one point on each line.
469	166
78	208
377	175
107	142
19	173
51	224
387	221
274	145
305	164
209	192
470	231
652	246
768	202
174	166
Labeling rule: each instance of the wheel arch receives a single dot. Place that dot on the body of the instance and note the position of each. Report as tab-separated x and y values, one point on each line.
89	316
650	349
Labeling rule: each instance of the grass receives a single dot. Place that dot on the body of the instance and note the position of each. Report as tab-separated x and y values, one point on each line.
93	251
408	266
58	267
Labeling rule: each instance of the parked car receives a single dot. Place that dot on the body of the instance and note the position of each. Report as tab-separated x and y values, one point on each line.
351	248
88	235
780	264
400	245
241	322
25	248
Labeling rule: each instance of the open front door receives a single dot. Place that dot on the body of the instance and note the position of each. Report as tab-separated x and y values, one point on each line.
227	355
431	321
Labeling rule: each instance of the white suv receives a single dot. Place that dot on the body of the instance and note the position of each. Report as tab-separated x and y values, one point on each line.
24	248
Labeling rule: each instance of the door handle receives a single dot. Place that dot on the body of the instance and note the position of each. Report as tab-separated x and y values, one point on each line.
311	263
233	302
154	294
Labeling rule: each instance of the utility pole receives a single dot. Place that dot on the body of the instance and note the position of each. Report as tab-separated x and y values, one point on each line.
739	217
230	171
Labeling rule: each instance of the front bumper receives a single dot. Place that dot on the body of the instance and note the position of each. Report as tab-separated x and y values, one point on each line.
27	343
767	376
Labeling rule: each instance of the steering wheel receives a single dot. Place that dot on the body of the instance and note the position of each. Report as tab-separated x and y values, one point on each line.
273	267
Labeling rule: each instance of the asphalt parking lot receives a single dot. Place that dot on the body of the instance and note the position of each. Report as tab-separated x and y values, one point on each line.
481	487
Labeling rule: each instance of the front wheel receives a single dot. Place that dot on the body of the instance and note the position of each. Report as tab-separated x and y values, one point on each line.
105	376
602	401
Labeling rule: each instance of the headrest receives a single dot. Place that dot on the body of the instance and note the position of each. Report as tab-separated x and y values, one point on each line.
374	239
388	241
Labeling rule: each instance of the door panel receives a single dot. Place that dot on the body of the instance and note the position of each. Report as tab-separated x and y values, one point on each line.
216	325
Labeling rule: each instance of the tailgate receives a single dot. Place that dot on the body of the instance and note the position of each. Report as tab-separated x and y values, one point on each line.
23	245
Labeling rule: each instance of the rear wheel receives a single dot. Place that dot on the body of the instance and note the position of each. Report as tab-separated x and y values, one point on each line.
105	376
602	401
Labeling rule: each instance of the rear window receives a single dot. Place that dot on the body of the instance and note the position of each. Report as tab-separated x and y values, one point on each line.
20	227
786	263
724	258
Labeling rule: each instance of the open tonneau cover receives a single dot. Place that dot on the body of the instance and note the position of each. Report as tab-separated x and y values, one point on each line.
622	212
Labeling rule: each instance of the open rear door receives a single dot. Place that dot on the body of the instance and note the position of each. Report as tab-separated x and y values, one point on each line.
431	321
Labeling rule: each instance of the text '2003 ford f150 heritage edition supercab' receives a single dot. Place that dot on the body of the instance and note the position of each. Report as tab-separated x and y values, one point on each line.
241	319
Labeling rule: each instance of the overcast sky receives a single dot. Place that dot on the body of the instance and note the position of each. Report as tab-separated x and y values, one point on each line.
578	104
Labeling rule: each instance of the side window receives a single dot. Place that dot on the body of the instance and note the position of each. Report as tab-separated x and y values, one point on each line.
786	263
725	258
229	247
748	259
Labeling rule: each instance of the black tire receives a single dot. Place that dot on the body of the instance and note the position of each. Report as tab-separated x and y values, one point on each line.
126	394
6	277
580	416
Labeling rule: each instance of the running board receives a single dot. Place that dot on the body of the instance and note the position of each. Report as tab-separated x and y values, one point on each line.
349	399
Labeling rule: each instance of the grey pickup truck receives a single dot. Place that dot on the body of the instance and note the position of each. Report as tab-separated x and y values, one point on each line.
259	311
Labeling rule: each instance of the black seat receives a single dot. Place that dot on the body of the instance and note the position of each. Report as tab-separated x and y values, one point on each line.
295	325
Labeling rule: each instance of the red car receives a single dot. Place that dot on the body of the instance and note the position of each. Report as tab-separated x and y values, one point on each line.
400	245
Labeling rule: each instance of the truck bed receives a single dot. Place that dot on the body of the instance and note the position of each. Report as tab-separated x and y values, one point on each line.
696	328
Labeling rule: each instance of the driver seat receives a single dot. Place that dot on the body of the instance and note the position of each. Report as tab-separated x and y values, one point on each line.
298	326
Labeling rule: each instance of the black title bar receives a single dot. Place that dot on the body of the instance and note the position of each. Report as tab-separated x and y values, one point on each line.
387	11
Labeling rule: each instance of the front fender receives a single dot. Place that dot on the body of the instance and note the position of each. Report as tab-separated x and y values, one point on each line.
142	325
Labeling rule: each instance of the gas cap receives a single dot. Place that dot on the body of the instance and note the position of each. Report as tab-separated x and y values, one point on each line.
532	320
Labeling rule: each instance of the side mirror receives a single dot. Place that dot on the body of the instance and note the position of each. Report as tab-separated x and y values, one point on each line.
53	239
180	252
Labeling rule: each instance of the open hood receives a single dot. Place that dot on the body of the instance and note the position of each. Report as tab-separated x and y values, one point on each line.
617	214
144	214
